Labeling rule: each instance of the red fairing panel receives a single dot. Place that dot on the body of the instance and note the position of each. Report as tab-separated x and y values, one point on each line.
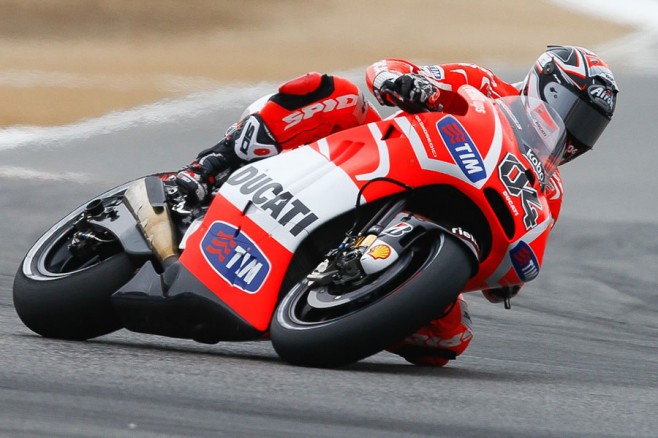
265	209
437	148
237	263
441	149
261	214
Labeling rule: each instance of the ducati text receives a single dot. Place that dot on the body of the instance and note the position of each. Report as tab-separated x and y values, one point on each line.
271	197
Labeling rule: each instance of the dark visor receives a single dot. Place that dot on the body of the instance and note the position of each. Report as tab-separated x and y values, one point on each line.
583	122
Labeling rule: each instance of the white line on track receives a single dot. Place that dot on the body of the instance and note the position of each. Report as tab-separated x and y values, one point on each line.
16	172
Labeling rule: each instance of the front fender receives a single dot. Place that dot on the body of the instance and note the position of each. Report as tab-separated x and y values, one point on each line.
402	232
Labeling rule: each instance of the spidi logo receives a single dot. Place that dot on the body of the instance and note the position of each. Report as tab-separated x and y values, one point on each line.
235	257
325	106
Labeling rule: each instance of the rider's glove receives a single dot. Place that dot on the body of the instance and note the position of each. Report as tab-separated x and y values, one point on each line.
417	89
192	185
196	180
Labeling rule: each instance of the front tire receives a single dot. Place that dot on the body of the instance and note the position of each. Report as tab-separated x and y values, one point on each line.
410	293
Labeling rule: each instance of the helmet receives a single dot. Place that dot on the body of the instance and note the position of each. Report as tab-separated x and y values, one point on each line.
580	87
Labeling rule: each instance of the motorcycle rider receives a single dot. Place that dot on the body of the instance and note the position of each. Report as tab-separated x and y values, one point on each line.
572	80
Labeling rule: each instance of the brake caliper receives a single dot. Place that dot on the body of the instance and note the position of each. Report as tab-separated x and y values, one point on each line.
87	238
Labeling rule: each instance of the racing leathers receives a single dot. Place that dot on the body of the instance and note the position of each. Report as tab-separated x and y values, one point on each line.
313	106
302	111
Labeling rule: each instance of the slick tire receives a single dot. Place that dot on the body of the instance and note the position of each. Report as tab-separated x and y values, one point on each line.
433	277
59	299
76	306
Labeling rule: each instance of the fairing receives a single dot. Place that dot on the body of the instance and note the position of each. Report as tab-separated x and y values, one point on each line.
266	209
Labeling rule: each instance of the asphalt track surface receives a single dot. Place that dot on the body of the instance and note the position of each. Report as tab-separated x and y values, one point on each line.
577	356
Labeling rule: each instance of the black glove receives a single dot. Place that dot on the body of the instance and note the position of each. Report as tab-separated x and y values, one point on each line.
192	185
417	89
196	180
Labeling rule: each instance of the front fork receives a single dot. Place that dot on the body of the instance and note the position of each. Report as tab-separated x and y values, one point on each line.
380	243
343	264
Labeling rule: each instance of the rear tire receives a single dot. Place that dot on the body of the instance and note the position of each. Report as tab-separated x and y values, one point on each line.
76	306
60	295
410	293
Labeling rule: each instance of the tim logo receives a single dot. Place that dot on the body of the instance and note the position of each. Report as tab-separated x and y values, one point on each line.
524	261
235	257
462	148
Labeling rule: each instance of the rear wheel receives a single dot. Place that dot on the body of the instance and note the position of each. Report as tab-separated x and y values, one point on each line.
61	293
334	325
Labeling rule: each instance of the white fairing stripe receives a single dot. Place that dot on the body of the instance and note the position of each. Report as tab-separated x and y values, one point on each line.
491	160
305	178
384	159
324	148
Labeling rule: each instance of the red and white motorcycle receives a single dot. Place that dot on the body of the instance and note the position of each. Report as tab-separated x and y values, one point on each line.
334	250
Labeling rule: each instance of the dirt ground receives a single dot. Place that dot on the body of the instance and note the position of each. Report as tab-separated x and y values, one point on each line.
65	60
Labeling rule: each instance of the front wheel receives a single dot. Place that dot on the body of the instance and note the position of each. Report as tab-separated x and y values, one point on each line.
307	330
59	293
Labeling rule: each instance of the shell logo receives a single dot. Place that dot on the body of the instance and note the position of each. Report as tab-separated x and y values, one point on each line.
380	252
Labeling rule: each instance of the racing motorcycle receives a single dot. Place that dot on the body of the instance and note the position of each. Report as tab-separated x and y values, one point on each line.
333	251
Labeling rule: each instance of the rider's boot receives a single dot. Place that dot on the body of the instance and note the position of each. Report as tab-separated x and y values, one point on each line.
196	180
442	340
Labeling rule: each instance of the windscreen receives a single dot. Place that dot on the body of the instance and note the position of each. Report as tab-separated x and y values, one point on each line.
539	130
